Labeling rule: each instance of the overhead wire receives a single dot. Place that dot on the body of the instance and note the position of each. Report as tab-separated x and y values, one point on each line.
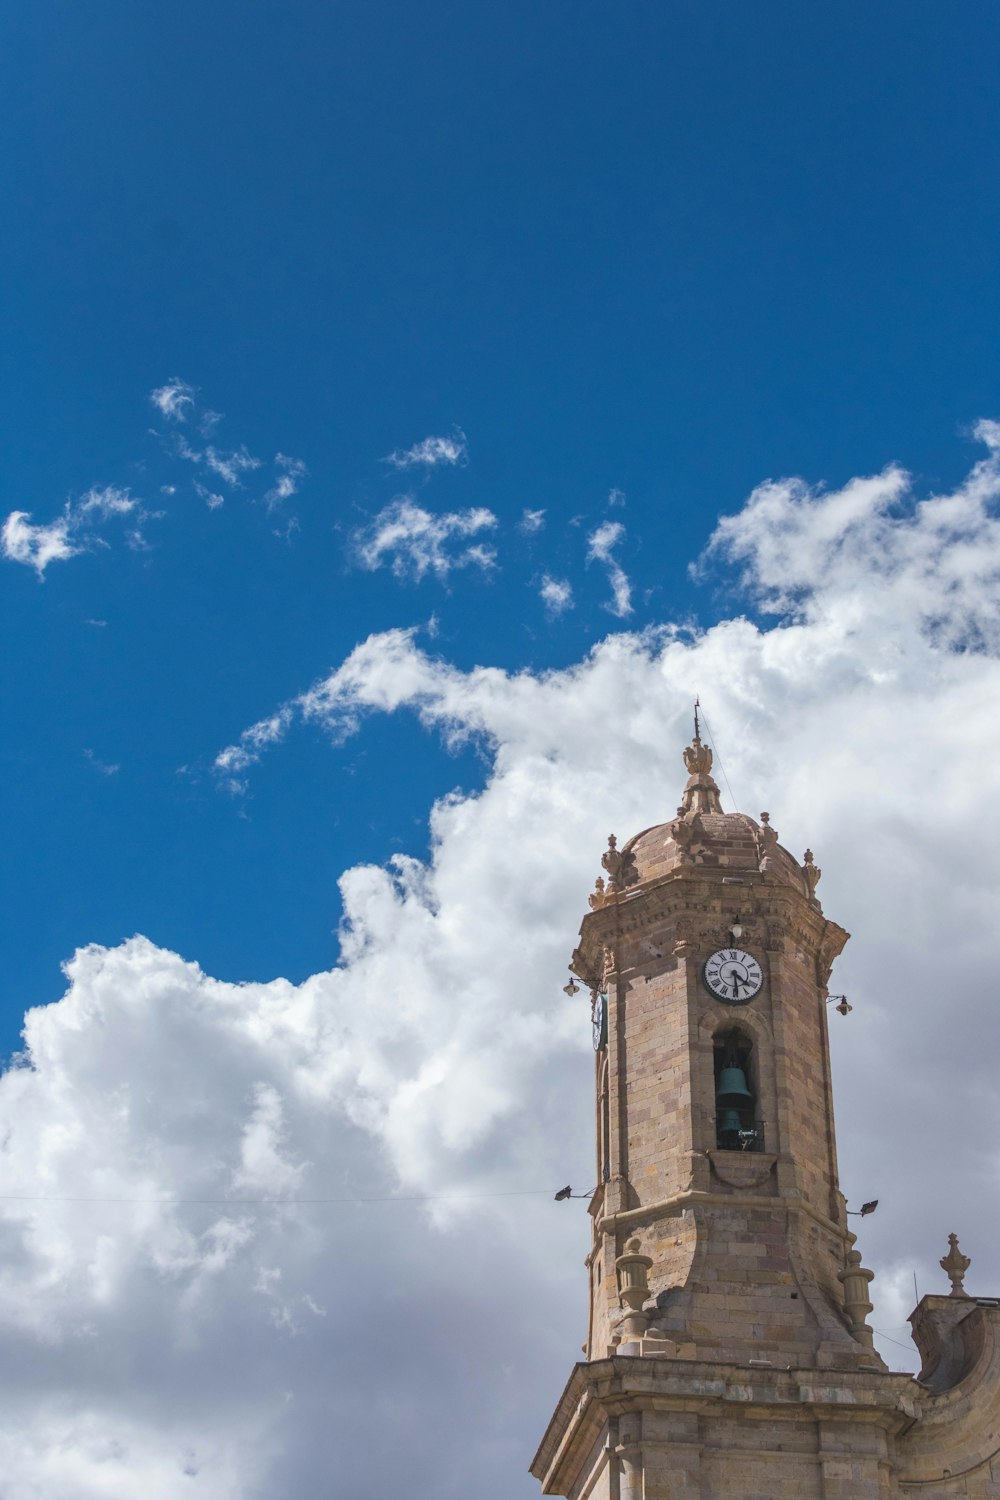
272	1202
715	751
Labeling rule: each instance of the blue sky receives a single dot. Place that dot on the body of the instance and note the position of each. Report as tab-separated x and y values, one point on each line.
546	290
660	250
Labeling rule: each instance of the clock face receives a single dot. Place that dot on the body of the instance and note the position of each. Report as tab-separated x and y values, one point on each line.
733	976
599	1021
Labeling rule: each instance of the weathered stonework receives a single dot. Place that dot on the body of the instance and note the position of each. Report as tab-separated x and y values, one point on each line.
728	1353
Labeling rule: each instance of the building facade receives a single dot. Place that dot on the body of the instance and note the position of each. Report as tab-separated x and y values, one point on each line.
728	1352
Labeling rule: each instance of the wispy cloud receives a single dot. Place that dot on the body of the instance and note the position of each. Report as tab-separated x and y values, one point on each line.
531	521
211	497
175	400
601	546
290	471
104	767
229	466
110	501
431	452
75	530
235	759
414	542
556	594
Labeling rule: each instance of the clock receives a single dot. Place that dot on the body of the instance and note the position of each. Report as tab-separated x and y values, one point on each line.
733	976
599	1021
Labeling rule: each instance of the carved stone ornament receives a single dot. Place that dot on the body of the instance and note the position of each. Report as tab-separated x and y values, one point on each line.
633	1288
812	872
955	1264
598	895
620	866
855	1278
701	795
684	835
766	840
610	965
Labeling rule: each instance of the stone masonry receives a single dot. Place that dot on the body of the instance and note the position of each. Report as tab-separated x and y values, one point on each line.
728	1353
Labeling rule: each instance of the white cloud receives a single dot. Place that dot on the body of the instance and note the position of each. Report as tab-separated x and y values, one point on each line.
75	531
616	497
175	400
212	498
292	470
431	452
37	546
440	1057
109	501
601	546
531	521
229	466
236	758
556	594
415	542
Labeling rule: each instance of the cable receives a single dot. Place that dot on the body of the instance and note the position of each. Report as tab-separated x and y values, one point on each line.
277	1202
715	749
909	1347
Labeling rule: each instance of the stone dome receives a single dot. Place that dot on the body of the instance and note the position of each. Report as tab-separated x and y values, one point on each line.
715	840
703	835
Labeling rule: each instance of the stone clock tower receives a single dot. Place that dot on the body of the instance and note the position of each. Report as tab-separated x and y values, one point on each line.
728	1353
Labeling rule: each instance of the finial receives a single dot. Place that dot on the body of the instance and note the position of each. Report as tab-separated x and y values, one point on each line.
633	1288
620	866
766	839
955	1264
812	872
701	795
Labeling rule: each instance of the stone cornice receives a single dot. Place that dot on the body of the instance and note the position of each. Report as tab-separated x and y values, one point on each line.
606	1388
667	1206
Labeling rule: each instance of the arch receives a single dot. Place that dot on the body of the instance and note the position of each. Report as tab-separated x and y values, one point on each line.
736	1089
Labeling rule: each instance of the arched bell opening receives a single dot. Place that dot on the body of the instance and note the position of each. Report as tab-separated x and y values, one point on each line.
737	1127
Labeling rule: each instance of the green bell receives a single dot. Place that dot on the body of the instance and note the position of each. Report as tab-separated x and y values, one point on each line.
733	1087
728	1123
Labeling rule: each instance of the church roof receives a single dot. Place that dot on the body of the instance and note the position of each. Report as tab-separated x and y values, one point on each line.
702	834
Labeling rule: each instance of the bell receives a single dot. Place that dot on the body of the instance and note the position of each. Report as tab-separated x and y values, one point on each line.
733	1087
729	1123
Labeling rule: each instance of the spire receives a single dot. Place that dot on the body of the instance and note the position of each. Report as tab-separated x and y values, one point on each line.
701	793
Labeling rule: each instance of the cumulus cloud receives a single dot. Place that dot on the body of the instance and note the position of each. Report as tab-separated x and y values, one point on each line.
77	529
414	541
601	545
221	1136
556	594
431	452
174	400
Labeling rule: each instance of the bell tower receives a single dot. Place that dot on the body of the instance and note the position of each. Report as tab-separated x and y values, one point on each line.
727	1350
